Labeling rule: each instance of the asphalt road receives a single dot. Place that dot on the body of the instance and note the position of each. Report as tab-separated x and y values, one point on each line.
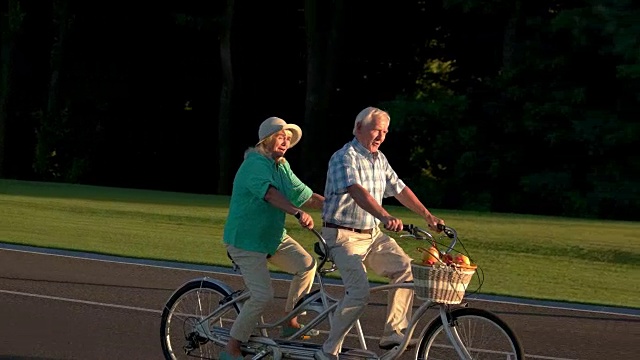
68	307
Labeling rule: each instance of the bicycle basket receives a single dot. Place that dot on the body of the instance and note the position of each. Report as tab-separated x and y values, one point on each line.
440	283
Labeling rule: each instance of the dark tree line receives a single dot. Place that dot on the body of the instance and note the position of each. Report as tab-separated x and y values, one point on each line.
511	106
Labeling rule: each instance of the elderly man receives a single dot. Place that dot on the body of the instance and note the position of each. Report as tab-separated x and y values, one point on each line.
359	176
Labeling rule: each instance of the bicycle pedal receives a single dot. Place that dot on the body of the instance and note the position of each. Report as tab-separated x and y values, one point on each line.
359	354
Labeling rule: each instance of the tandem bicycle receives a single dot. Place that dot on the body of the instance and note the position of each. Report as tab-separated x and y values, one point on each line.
197	317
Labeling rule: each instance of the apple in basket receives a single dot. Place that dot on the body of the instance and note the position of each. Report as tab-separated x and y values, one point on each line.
461	260
447	259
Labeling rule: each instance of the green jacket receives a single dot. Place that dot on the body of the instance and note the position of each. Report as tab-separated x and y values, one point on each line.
253	224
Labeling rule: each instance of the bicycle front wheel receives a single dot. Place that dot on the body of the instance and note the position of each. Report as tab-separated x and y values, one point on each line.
483	333
183	331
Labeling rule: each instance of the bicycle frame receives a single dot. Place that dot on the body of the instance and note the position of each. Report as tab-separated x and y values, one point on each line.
323	304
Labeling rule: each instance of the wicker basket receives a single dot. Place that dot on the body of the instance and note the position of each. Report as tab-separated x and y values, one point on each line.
441	284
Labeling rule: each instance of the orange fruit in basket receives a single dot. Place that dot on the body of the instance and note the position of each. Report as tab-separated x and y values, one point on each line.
429	256
468	267
434	252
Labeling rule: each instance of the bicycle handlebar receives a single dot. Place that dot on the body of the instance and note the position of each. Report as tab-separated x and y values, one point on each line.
421	234
321	248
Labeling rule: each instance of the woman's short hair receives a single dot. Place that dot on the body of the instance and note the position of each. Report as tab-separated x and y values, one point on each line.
265	146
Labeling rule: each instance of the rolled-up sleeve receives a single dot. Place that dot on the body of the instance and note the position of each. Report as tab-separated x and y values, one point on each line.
300	192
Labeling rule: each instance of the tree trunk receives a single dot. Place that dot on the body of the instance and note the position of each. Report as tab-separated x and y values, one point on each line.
321	65
226	96
10	27
510	37
51	123
502	192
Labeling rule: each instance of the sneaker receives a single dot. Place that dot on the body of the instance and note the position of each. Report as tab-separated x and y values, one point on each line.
287	331
390	341
321	355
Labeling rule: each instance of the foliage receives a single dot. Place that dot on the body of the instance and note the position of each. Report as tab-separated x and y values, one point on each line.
509	106
556	128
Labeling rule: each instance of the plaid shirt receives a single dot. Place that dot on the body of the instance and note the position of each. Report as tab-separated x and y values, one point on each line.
353	164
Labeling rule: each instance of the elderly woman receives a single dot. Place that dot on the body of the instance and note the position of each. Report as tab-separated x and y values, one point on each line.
264	191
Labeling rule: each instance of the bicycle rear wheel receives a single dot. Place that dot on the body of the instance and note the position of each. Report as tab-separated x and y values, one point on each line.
483	333
182	329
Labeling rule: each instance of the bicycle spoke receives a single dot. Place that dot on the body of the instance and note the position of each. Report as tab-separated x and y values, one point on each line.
186	333
484	336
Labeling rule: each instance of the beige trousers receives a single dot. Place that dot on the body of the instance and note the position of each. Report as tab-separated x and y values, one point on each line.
290	257
384	257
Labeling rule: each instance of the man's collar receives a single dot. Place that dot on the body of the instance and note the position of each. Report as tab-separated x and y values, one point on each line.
361	149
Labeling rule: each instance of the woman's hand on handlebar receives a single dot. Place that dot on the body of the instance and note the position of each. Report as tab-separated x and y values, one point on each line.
304	219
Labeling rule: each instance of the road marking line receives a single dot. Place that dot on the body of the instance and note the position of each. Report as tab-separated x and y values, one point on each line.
79	301
275	276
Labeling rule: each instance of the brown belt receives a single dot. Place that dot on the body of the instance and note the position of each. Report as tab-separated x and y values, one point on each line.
336	226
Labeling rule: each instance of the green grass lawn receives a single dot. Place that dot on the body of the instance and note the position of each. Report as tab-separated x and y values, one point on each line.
588	261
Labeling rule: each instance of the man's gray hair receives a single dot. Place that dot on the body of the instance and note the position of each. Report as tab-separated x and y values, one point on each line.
367	115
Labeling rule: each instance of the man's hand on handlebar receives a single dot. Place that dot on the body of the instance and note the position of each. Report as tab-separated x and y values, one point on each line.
392	223
434	223
304	219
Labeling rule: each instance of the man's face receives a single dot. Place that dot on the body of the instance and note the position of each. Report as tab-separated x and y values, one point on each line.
282	140
372	135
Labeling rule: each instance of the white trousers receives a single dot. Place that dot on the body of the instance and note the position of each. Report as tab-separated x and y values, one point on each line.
384	257
290	257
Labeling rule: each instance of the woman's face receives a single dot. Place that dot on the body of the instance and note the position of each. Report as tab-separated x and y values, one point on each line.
281	142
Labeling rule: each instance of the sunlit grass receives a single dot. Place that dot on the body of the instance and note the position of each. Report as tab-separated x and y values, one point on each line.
528	256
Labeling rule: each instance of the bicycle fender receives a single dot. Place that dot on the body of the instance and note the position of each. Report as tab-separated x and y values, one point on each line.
205	279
